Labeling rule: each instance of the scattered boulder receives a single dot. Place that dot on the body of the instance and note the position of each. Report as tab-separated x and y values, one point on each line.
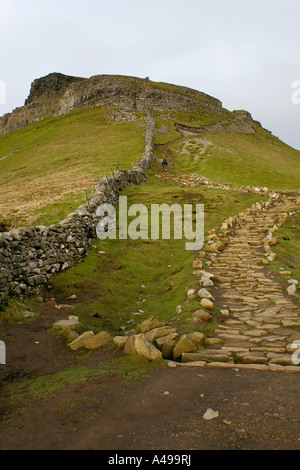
80	341
120	341
197	338
203	293
185	344
149	324
197	264
214	247
201	315
206	282
210	414
224	313
291	290
140	346
159	332
64	306
71	324
273	241
98	341
206	303
72	297
170	337
206	274
211	248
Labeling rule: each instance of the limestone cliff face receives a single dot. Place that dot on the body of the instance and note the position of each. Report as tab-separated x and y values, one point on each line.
50	86
134	94
57	94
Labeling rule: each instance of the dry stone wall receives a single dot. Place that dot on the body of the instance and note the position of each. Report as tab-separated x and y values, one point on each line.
30	256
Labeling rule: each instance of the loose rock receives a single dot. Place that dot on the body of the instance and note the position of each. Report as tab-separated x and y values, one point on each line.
139	346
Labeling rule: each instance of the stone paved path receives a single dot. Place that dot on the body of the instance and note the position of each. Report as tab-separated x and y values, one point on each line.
260	320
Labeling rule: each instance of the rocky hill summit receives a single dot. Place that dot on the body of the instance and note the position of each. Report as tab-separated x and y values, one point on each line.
57	94
50	86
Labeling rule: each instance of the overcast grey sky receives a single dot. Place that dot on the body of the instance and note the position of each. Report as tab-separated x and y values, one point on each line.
244	52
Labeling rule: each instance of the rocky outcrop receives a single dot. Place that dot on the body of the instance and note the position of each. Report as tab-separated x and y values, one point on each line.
240	122
52	85
134	94
58	94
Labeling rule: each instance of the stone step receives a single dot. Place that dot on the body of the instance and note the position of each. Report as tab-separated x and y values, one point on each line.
208	355
261	320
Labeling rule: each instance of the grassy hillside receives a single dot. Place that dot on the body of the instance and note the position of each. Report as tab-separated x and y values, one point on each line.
258	159
45	168
287	264
120	277
122	282
48	165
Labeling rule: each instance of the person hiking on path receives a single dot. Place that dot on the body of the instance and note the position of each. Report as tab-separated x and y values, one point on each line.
164	163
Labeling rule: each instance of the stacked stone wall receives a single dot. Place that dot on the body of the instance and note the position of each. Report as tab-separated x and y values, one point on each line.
31	256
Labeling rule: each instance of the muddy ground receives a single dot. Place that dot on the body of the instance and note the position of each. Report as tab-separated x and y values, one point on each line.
258	410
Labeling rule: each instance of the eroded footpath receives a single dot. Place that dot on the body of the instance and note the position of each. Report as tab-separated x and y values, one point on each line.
260	320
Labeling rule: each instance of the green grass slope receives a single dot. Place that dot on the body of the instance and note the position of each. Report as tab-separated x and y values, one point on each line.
245	160
48	165
120	278
259	159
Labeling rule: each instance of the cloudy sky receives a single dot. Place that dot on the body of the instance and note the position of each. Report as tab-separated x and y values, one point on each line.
244	52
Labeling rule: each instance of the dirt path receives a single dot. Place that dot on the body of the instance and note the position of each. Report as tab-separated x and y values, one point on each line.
257	410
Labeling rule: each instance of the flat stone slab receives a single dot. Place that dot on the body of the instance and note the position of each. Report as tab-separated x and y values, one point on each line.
230	337
252	358
225	365
283	360
256	333
207	356
279	368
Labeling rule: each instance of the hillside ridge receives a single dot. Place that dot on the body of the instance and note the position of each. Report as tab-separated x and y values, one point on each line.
58	94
